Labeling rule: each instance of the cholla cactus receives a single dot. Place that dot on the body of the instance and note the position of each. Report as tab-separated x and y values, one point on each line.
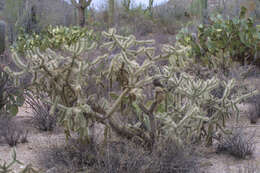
195	110
63	79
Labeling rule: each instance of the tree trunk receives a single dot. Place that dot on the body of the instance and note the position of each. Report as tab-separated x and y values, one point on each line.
81	5
150	8
82	18
111	13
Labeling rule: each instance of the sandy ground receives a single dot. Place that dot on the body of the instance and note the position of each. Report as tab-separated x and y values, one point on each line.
211	162
223	163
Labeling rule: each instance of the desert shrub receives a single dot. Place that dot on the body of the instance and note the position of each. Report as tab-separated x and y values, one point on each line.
237	144
250	167
42	119
9	130
121	156
222	41
74	156
169	156
12	136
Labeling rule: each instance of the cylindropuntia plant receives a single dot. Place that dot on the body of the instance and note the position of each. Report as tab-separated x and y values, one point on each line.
63	79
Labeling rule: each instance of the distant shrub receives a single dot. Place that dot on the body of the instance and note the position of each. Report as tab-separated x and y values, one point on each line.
51	37
237	144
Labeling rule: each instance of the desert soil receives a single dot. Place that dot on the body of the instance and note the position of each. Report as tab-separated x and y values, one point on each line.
29	153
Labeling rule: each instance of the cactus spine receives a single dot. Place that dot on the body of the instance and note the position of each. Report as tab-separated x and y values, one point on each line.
2	36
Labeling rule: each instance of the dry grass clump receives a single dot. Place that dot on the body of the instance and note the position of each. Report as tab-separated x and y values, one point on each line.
42	119
121	157
237	144
11	132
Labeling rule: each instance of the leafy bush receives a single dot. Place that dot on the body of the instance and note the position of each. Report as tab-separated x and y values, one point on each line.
42	119
223	41
238	144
